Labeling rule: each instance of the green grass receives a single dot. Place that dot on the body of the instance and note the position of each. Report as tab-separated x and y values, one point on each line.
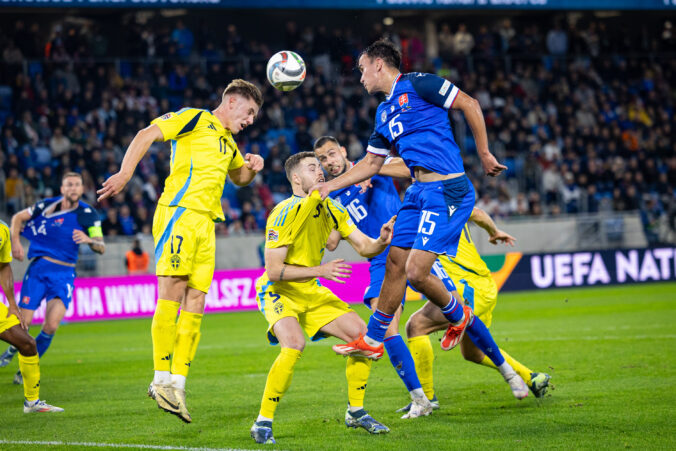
611	353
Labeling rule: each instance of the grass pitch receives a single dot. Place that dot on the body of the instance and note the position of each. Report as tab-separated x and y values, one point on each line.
611	352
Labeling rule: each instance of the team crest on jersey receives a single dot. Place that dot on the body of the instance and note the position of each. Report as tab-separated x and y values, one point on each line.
273	235
278	307
57	223
175	261
403	102
383	116
165	117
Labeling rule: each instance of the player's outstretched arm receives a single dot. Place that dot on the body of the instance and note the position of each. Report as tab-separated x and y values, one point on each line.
495	235
279	271
475	117
243	175
367	246
138	147
365	169
16	225
395	167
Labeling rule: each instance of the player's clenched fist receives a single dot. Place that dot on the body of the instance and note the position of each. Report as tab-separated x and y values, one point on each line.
254	162
335	270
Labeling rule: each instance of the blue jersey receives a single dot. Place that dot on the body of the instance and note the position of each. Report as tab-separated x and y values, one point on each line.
414	118
50	231
371	209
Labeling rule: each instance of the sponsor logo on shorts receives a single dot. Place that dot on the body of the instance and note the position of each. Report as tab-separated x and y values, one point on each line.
273	235
175	261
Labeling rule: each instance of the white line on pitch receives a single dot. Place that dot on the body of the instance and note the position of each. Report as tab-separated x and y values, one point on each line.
109	445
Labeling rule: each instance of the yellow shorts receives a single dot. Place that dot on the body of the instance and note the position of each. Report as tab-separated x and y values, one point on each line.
7	322
185	245
480	292
313	305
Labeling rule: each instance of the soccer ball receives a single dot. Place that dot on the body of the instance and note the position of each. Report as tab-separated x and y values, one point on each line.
286	70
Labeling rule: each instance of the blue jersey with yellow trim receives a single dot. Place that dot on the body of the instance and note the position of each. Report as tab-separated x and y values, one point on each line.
414	118
50	231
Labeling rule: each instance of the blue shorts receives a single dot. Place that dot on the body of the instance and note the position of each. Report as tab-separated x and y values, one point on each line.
433	215
46	280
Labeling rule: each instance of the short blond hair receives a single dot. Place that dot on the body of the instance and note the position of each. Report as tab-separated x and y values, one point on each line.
244	89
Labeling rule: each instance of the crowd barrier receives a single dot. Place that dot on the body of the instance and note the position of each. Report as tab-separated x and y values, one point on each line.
119	297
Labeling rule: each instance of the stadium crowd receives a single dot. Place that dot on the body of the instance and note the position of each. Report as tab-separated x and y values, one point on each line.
581	113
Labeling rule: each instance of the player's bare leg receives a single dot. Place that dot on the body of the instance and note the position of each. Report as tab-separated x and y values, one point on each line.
350	328
12	350
418	272
292	342
30	364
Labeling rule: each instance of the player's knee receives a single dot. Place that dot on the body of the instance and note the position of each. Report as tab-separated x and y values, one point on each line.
295	343
27	347
416	276
50	327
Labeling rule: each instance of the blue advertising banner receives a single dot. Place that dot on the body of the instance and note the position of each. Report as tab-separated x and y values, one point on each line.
587	268
357	4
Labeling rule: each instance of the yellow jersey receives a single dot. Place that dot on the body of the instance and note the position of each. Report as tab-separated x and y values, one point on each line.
202	153
304	224
5	244
467	259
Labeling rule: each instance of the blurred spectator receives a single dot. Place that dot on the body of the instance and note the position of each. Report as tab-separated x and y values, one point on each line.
136	259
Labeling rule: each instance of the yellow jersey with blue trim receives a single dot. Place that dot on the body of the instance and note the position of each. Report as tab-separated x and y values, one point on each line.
467	259
304	224
202	153
5	244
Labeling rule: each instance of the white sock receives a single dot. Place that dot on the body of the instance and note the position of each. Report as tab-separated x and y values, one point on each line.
262	418
506	370
162	378
354	409
417	393
178	381
371	342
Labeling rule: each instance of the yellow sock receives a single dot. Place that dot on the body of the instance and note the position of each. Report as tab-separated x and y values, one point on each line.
279	380
187	338
357	372
163	331
423	356
30	370
521	370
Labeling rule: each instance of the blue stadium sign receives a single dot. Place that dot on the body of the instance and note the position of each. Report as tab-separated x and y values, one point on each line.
357	4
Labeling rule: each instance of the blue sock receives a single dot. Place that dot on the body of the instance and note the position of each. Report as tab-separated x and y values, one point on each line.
42	341
378	324
482	338
453	311
402	361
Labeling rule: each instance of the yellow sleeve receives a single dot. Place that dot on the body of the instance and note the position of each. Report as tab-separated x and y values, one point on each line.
237	161
5	245
344	224
179	123
279	227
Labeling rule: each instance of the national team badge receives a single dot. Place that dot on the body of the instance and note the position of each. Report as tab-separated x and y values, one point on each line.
273	235
175	261
57	223
278	307
165	117
403	101
383	116
26	300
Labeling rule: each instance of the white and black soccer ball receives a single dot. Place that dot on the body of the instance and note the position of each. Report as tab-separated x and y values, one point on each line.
286	70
